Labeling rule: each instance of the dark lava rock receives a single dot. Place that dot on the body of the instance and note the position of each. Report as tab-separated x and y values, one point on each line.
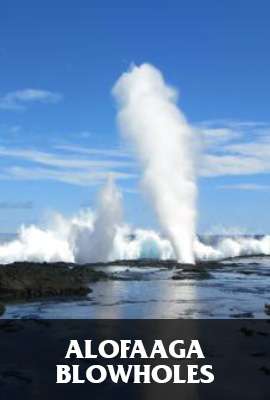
29	280
32	279
192	273
157	263
147	262
210	264
243	315
170	264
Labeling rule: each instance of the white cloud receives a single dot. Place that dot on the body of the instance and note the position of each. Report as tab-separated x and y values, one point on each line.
18	100
222	165
118	153
62	161
235	148
216	136
71	168
246	186
233	124
81	177
259	148
228	149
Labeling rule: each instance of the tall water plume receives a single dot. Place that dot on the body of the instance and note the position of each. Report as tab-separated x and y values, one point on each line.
149	116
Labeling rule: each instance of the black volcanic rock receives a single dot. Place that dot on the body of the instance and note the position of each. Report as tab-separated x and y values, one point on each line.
33	279
192	273
30	280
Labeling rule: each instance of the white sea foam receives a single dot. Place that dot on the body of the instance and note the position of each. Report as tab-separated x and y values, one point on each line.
73	240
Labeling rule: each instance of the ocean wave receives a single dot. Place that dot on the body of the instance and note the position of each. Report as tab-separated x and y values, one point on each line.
69	240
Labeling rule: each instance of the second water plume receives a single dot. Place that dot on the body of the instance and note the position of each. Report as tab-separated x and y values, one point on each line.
149	116
97	244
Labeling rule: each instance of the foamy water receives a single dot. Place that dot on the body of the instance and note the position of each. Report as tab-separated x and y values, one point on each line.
71	240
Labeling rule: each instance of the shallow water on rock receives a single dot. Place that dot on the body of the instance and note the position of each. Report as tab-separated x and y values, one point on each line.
240	288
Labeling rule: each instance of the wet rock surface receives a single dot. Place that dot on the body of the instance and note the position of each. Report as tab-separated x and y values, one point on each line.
31	280
242	315
210	289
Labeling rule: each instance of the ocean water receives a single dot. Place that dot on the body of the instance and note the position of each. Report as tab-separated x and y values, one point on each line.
239	288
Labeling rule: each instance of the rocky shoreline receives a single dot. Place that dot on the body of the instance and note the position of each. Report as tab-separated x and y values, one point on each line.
26	285
25	280
28	280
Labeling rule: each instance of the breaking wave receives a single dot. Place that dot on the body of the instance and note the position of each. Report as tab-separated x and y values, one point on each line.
69	240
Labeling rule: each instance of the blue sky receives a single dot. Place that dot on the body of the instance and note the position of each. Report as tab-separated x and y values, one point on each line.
58	135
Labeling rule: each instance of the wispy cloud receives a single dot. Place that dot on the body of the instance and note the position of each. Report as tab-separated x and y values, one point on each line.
62	161
118	153
217	132
19	99
224	165
69	167
228	149
246	186
80	178
213	136
233	124
259	148
235	148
